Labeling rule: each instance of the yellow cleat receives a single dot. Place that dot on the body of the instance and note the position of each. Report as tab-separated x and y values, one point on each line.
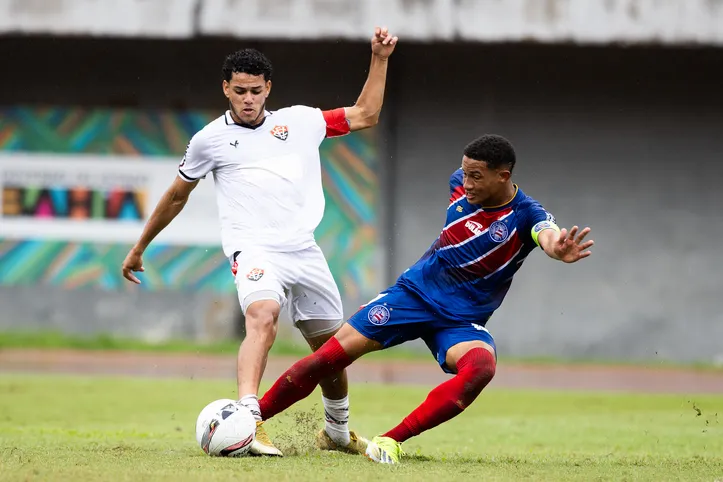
263	444
384	450
357	445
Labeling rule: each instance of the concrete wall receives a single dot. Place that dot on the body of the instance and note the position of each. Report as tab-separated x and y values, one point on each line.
672	22
134	314
628	141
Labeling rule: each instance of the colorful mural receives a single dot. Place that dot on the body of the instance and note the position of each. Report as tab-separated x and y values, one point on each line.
83	265
98	131
347	234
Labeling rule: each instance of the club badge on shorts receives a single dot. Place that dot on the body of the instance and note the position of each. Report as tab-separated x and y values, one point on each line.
255	274
378	315
280	132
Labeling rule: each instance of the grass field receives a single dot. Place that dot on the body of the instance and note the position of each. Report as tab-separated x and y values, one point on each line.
112	428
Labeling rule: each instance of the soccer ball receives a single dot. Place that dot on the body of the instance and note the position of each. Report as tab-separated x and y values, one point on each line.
225	429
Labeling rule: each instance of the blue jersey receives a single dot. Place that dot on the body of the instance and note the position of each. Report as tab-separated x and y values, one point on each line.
466	273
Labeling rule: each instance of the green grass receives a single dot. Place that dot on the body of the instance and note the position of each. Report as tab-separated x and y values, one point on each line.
93	428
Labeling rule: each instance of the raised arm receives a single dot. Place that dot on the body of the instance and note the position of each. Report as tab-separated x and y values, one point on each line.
365	113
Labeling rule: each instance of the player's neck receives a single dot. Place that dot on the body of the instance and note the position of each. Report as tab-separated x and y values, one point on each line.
505	197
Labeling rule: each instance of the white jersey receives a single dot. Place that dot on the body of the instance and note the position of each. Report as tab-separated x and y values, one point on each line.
267	177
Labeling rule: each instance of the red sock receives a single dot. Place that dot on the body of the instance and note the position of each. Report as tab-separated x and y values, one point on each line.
474	371
302	378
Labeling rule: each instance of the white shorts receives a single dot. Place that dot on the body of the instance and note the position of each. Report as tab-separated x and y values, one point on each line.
300	278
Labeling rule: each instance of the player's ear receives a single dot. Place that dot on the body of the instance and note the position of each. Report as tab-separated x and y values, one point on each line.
226	87
504	175
268	87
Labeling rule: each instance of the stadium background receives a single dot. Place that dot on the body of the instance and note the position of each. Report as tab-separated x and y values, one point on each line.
615	109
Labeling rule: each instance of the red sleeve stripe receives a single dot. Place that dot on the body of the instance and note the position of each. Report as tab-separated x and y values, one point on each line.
336	123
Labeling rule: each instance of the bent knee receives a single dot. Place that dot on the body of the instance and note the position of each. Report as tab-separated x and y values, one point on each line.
478	368
481	363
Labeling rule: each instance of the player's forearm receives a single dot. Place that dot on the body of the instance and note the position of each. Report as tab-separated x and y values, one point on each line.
166	210
372	95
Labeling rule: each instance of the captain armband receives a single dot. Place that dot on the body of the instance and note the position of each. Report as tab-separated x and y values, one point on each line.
540	227
336	122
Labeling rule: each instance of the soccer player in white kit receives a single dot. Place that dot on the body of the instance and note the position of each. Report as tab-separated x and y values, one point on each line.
267	176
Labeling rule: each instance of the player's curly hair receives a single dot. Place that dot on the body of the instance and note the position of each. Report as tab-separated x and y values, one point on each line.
495	150
247	61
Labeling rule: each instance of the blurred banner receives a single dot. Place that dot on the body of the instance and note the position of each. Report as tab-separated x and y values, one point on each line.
580	21
97	198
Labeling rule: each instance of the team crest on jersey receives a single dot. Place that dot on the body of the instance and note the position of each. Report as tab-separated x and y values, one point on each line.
255	274
498	231
378	315
280	132
459	209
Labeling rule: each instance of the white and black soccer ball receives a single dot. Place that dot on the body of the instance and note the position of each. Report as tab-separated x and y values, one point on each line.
225	429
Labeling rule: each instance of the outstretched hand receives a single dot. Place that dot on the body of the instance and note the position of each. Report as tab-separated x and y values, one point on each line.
383	42
569	248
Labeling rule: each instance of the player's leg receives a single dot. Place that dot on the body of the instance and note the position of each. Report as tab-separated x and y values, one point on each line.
261	327
474	364
301	379
336	386
466	351
371	328
261	296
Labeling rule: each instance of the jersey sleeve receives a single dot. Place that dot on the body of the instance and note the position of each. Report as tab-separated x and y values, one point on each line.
538	219
456	188
198	159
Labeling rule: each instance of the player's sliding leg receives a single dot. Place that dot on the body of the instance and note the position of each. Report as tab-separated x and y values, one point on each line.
301	379
335	396
261	326
474	364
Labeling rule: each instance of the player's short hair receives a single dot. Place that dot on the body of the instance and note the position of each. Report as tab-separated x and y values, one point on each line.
247	61
495	150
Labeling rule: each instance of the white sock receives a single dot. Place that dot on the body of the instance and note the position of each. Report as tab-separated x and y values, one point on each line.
336	413
252	403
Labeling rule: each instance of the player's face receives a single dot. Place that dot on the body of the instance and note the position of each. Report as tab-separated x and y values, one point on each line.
247	95
482	184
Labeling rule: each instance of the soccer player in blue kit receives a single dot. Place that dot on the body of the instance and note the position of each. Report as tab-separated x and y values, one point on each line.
447	297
